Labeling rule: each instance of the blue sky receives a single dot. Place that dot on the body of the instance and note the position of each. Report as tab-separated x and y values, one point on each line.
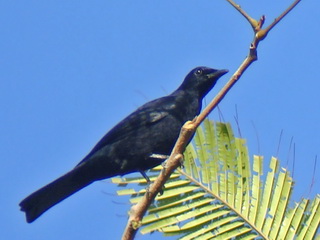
71	70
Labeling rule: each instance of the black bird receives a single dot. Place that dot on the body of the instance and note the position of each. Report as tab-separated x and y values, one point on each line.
139	142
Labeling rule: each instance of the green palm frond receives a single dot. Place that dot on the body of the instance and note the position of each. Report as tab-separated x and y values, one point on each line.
217	195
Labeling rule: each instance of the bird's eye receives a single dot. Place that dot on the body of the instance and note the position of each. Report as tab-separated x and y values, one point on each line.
199	71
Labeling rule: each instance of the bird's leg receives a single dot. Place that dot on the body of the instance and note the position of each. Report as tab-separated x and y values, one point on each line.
145	177
163	164
149	182
155	156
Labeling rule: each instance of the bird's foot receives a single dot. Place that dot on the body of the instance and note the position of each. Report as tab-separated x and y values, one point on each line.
181	162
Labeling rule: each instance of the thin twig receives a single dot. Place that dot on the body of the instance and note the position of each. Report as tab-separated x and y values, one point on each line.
252	21
278	19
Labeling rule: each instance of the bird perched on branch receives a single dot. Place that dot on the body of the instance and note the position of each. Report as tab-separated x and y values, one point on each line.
139	142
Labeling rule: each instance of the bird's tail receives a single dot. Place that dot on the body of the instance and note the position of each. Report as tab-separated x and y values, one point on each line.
40	201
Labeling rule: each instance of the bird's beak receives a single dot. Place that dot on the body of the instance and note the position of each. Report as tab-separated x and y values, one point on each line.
218	73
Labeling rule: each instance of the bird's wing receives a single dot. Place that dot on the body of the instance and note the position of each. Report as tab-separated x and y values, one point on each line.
147	115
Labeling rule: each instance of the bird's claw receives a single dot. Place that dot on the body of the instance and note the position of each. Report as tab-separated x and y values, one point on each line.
181	162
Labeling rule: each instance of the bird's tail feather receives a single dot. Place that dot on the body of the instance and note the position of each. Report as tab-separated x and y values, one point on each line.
40	201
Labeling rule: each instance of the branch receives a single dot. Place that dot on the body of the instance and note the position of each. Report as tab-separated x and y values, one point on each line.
137	211
278	19
254	23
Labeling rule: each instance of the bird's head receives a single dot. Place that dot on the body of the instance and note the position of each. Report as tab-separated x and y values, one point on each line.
201	80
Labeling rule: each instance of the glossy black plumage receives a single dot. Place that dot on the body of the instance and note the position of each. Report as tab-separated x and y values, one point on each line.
132	145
